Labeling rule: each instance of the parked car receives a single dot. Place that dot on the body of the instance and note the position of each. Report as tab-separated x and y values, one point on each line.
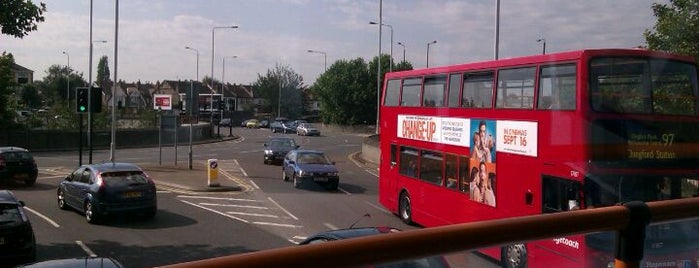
283	127
276	148
433	261
310	165
276	126
307	129
99	190
226	122
252	123
17	164
17	241
80	262
244	123
264	123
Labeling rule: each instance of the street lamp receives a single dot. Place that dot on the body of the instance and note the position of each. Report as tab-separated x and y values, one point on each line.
89	100
68	78
428	52
403	45
543	49
325	55
191	105
197	51
212	66
223	82
390	67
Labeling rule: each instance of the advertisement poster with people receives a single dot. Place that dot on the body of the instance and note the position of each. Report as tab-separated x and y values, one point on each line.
482	162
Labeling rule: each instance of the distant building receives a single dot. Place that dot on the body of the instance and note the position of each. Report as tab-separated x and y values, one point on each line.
22	75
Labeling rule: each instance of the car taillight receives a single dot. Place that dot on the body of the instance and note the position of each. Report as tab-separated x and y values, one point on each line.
102	185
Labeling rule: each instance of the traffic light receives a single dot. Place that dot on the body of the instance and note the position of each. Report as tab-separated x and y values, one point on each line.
82	103
96	100
81	100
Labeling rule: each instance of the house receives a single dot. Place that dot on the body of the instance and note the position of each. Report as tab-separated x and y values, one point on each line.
21	75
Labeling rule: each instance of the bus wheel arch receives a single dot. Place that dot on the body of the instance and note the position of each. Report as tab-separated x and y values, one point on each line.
514	256
405	212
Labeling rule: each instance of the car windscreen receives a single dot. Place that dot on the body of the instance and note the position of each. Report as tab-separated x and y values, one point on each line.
122	178
9	213
312	158
17	156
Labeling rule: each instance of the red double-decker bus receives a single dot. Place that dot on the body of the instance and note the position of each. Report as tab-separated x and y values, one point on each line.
545	134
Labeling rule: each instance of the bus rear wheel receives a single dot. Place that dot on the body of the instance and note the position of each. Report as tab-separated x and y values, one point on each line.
514	256
404	211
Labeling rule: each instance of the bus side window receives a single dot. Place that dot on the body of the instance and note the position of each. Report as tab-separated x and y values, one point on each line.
560	195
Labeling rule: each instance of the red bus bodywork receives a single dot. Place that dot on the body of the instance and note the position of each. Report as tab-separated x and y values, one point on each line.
533	147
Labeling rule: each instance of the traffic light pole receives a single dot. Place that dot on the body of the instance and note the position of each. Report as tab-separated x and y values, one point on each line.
80	140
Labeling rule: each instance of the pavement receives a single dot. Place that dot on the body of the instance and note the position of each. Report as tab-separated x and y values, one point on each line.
180	177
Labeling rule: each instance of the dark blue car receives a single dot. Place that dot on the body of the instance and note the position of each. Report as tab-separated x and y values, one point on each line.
310	165
98	190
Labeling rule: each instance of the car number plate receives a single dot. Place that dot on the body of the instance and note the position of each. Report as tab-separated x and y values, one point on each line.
321	179
132	194
21	176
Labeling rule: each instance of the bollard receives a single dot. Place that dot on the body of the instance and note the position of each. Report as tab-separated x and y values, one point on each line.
212	170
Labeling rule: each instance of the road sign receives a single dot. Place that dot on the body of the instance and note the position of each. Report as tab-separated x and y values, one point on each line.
162	101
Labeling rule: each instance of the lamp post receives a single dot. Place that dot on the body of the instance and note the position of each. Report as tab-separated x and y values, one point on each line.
223	82
197	51
325	55
428	52
191	105
112	147
403	45
89	101
390	67
543	49
212	67
68	79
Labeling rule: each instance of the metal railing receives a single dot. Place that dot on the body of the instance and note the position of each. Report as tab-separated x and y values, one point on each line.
628	220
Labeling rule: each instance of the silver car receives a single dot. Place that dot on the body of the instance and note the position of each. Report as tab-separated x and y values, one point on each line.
307	129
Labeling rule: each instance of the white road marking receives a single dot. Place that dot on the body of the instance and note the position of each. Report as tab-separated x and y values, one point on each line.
254	185
253	214
43	217
52	177
219	198
214	211
234	206
277	224
85	248
344	191
330	226
282	208
379	208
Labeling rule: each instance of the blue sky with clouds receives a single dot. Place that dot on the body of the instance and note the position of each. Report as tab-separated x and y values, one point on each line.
153	33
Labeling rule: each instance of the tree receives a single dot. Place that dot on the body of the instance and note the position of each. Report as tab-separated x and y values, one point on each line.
19	17
281	81
676	28
6	85
103	80
30	96
54	85
345	93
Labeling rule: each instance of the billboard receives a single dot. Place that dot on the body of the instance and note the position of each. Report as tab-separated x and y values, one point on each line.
162	102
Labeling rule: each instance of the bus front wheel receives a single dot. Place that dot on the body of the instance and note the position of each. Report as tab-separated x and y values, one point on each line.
404	211
514	256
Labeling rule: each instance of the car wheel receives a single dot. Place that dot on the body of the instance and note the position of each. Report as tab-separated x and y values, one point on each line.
61	200
274	131
514	256
90	214
332	186
404	210
150	213
284	177
297	182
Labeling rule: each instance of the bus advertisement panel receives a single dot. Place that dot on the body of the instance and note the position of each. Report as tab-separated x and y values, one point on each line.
545	134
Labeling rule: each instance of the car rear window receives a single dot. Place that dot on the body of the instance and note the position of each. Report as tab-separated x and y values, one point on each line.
124	177
9	213
16	156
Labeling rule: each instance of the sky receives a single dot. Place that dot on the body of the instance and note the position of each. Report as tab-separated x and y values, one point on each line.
152	34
